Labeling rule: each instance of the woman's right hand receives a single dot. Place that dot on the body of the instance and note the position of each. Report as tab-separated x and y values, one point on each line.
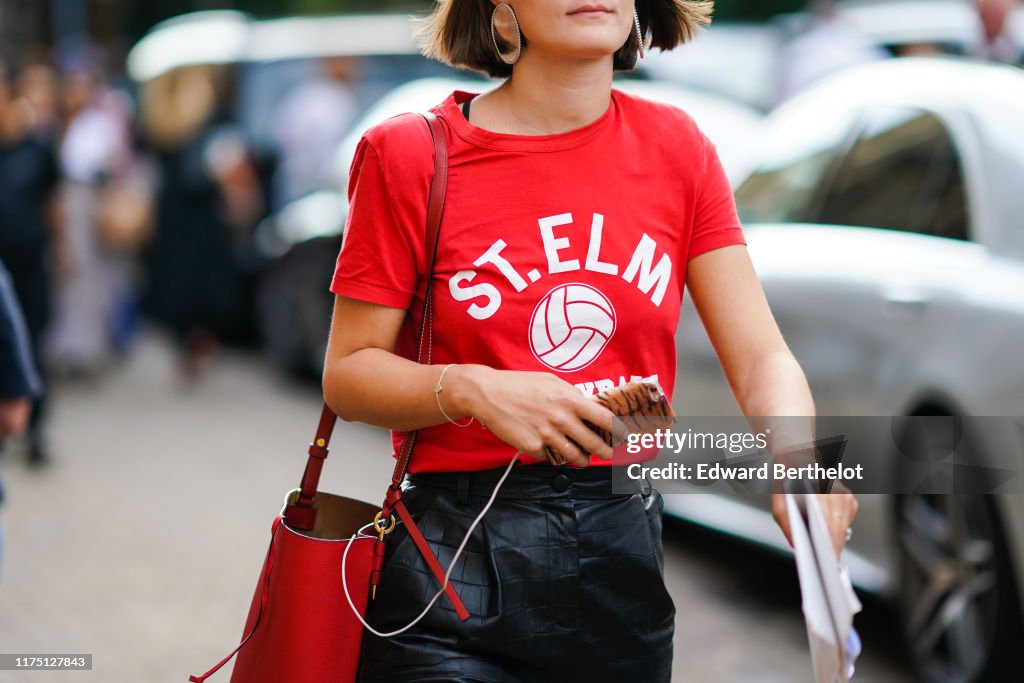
530	410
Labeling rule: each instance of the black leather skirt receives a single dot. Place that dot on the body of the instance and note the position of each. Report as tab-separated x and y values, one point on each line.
563	580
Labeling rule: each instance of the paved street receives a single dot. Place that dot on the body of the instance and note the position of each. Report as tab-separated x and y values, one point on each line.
142	543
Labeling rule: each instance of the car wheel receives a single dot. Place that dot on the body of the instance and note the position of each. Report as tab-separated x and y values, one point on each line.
957	602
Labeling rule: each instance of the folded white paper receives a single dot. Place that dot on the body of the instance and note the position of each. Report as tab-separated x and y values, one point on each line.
829	602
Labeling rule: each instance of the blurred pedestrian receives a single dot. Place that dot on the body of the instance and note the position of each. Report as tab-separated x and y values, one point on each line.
308	125
208	200
997	42
95	278
827	45
28	178
38	84
19	381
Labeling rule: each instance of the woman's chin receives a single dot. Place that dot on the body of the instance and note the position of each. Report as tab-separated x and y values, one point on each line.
585	51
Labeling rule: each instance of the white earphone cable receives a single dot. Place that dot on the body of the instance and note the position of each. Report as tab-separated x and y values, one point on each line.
447	574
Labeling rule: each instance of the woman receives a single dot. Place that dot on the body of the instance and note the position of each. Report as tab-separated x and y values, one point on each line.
574	215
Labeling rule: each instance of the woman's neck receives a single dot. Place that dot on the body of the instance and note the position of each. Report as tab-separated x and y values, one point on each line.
544	97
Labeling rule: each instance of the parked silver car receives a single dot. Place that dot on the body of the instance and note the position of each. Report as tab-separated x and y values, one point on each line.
747	61
886	223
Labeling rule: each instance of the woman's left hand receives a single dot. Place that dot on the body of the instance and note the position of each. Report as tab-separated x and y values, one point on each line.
839	508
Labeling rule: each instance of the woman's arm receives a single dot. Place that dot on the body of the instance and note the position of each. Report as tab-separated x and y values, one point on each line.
762	372
364	380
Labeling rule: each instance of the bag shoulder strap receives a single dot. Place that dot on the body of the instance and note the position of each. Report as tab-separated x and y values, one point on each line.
301	514
435	213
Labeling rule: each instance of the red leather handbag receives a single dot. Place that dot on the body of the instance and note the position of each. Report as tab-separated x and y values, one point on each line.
300	627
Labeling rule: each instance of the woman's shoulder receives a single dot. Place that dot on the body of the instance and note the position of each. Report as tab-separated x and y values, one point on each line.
402	143
400	129
658	118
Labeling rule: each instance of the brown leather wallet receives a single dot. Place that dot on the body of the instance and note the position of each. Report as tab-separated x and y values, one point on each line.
641	406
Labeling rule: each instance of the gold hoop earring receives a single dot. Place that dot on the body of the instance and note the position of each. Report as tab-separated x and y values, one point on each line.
639	33
508	21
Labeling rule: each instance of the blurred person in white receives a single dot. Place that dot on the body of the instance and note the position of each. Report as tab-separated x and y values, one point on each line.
828	45
309	124
94	277
997	43
28	179
19	381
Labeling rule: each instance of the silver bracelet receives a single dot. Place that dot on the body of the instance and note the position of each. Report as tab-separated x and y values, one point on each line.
437	395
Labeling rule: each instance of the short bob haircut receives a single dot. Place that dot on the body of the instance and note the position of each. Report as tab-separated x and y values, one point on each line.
458	32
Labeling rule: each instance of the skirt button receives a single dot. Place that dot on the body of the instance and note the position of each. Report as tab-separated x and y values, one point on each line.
561	483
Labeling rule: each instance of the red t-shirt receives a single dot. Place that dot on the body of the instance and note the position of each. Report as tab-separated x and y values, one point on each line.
559	253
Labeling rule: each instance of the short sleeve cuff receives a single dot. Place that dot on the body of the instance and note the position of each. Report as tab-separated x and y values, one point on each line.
716	240
372	294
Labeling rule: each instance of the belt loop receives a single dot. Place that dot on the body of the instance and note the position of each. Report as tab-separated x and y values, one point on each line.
462	488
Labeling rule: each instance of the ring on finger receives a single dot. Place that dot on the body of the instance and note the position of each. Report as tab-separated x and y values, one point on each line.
554	457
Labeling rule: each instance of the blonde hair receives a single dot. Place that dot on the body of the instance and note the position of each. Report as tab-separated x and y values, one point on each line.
174	106
458	32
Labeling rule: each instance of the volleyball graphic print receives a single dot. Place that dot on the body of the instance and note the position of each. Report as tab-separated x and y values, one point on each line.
571	326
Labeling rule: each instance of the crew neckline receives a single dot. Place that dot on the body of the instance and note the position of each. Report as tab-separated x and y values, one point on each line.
451	110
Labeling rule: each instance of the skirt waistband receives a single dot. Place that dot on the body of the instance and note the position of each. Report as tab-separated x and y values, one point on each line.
542	480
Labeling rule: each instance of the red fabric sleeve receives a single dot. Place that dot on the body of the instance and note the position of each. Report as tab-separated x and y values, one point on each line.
715	221
382	245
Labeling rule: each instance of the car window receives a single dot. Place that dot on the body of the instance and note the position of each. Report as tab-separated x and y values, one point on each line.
797	153
902	173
